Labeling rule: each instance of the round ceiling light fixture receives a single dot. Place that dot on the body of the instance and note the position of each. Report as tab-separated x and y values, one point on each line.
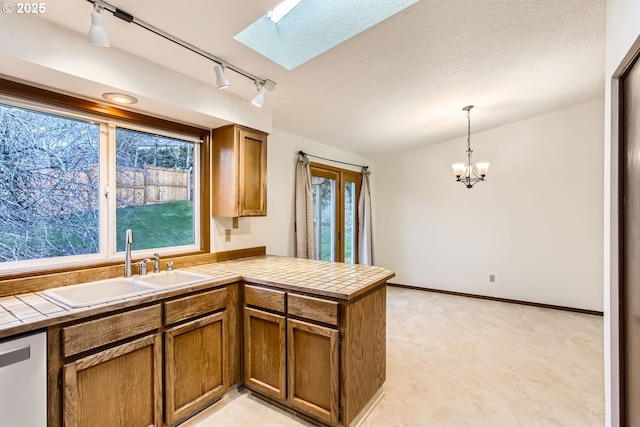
119	98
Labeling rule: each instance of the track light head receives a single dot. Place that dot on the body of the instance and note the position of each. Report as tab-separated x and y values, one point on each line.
221	79
97	33
258	100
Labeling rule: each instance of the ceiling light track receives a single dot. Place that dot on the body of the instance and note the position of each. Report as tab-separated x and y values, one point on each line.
127	17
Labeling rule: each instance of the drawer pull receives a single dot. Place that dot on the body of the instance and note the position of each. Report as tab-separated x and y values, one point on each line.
14	356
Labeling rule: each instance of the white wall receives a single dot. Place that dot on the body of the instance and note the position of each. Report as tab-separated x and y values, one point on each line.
276	229
623	28
536	223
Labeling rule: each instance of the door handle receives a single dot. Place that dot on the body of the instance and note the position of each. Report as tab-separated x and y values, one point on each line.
14	356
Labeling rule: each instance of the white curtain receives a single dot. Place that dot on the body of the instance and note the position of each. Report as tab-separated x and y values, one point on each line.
365	233
305	235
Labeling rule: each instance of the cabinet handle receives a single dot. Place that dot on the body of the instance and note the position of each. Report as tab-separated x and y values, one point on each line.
15	356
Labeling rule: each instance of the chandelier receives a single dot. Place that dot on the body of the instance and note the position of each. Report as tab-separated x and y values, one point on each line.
468	173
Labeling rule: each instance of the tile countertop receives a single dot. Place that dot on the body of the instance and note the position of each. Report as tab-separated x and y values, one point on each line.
29	312
330	279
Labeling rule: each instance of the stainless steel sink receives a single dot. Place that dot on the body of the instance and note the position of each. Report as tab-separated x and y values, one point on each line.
174	278
91	293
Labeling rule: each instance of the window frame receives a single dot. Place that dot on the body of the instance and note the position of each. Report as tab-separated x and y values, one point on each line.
342	176
112	127
46	101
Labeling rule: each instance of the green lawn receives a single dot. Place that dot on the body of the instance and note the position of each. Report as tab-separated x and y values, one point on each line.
156	226
325	244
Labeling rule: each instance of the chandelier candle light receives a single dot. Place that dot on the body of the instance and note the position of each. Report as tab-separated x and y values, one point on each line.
468	173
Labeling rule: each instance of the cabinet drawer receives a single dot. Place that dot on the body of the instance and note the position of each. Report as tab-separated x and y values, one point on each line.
264	298
99	332
193	306
315	309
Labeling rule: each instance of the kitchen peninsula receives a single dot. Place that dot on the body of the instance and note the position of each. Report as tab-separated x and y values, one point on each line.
306	335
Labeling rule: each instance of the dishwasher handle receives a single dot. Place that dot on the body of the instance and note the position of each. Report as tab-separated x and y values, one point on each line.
14	356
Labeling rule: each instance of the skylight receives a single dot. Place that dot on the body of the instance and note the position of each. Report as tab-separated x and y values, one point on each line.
281	10
297	31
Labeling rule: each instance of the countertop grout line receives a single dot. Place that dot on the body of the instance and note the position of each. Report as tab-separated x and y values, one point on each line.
324	279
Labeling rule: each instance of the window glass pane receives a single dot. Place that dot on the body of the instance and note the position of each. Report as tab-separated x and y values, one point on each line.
324	217
49	185
350	222
155	190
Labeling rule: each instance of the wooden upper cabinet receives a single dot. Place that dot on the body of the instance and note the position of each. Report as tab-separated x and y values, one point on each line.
239	172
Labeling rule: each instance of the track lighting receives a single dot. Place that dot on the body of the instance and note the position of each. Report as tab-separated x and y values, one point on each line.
221	80
258	100
98	36
97	33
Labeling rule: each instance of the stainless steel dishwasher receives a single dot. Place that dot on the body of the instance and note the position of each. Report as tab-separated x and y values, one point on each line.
23	381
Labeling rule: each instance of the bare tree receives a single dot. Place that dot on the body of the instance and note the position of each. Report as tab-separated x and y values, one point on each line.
49	185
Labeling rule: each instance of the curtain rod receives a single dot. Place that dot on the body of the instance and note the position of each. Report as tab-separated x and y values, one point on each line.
302	153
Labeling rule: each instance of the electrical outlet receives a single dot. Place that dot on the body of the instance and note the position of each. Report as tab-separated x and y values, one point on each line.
492	278
227	235
235	222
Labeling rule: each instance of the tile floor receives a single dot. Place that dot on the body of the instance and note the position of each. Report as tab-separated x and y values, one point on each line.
456	361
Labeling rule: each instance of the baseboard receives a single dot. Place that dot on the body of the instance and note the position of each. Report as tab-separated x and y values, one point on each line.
490	298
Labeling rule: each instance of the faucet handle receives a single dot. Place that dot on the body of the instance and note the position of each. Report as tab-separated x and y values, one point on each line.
170	266
143	266
156	263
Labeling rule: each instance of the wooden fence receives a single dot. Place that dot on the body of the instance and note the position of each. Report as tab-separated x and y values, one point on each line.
151	185
58	192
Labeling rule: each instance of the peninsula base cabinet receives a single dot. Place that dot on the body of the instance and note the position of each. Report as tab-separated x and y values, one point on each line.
313	357
159	364
151	366
196	353
334	357
264	352
111	376
196	365
117	387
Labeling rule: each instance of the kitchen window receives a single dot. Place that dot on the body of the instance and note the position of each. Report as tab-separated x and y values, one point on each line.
335	212
155	189
71	183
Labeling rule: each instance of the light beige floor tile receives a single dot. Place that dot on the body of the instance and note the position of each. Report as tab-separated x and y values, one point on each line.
456	361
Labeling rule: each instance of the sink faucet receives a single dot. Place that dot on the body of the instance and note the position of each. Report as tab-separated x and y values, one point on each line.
128	240
156	263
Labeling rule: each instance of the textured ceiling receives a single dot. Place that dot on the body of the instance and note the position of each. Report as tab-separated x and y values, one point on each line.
313	27
398	85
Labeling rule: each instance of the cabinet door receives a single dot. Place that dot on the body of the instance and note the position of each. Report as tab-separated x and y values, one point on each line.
118	387
253	173
313	356
264	352
197	365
